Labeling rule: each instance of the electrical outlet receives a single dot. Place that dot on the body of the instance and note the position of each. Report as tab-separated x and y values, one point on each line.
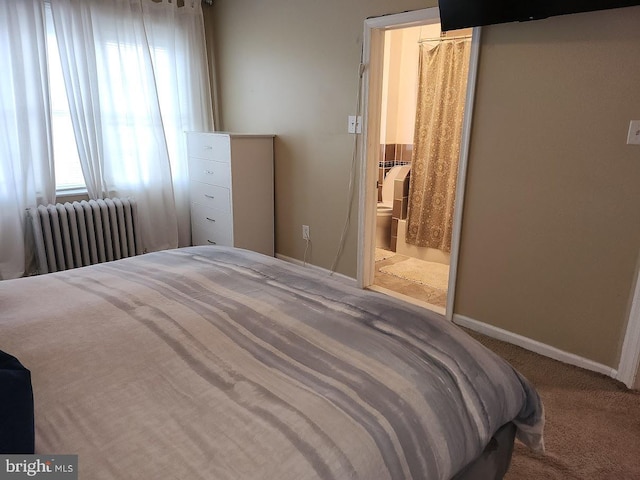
305	232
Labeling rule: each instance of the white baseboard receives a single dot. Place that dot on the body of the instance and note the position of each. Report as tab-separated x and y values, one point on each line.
320	271
533	345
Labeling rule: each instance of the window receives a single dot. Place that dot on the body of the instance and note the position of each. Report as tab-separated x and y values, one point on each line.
138	80
127	127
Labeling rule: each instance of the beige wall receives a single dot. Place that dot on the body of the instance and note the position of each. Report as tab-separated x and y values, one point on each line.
550	230
291	68
551	233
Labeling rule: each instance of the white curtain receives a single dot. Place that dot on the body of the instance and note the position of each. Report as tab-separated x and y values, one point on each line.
179	56
129	104
26	166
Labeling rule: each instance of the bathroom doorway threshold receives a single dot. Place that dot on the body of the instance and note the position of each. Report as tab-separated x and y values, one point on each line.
406	298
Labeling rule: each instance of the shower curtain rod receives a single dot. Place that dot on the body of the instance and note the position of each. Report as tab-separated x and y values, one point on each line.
440	39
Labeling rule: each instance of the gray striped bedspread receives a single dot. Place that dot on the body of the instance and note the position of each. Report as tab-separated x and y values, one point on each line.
216	363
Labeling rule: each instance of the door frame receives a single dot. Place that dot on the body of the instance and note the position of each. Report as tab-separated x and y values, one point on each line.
373	48
629	365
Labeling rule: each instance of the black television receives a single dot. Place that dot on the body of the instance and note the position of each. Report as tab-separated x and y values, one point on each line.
455	14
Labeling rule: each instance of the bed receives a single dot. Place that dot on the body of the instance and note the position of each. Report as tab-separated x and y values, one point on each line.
220	363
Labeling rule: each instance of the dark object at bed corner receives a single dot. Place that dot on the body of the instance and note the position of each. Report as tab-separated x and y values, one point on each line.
494	461
16	407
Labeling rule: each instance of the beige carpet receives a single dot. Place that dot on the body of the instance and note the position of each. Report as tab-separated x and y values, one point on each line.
436	275
592	427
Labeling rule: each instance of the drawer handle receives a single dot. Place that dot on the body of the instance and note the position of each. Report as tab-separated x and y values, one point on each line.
209	196
208	147
211	219
208	172
211	242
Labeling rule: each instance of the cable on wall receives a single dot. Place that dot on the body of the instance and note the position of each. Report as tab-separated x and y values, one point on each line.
352	175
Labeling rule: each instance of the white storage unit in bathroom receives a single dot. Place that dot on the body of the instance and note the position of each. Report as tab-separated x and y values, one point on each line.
392	207
231	183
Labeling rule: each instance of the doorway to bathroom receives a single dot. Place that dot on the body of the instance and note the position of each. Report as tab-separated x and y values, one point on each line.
415	156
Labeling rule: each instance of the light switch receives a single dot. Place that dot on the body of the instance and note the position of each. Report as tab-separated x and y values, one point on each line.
355	124
634	133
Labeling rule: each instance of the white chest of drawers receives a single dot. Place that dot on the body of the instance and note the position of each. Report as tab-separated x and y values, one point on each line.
231	184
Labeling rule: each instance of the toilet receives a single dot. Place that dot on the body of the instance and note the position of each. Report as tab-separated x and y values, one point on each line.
385	207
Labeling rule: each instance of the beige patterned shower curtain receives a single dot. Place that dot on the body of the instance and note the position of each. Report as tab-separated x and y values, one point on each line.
438	131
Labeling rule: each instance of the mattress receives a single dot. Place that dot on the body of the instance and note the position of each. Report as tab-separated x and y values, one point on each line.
220	363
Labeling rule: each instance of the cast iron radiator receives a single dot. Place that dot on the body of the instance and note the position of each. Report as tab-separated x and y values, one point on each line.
83	233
